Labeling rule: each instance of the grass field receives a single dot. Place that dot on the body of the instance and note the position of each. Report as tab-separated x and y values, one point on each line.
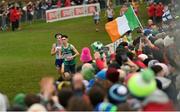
25	55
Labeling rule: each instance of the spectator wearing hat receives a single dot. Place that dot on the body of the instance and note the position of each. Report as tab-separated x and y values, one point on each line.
88	71
19	103
86	55
101	75
146	84
106	107
152	63
117	94
112	75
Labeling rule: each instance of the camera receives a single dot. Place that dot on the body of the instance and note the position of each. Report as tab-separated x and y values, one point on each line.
105	49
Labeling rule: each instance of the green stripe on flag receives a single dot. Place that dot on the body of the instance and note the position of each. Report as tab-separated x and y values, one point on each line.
132	19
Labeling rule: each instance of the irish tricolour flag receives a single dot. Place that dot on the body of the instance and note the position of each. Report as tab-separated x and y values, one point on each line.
121	25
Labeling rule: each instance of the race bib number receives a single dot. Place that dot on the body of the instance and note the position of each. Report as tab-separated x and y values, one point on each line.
67	56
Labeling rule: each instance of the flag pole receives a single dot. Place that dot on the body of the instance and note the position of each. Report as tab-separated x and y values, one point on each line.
137	18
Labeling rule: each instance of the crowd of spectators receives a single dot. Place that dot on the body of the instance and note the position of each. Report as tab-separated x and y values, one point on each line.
27	11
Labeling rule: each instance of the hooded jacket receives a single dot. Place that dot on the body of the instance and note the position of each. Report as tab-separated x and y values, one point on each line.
169	88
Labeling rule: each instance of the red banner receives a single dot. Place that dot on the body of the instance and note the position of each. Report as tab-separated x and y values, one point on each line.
71	12
91	9
79	11
66	13
52	15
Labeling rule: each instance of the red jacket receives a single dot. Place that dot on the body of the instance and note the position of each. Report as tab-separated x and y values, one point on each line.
13	15
18	15
159	107
159	11
151	10
100	64
67	3
59	3
162	8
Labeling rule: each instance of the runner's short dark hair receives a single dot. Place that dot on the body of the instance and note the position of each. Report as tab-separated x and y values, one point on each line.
64	36
57	35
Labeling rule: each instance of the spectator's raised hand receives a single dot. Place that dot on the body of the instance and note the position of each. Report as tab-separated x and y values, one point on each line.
47	87
149	43
133	66
97	55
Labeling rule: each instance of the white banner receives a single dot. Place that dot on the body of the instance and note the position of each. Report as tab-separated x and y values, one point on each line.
114	45
71	12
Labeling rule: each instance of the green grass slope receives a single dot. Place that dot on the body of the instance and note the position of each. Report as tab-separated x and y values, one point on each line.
25	55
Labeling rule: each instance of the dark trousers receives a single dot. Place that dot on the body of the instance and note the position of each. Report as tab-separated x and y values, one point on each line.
153	19
13	26
70	68
17	24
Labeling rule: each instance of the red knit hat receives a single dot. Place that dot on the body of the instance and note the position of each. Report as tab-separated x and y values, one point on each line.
112	74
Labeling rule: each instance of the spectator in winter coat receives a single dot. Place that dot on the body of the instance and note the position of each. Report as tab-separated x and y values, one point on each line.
151	11
13	17
159	13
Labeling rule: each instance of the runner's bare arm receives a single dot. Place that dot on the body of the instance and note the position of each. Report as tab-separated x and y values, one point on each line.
53	49
76	52
60	54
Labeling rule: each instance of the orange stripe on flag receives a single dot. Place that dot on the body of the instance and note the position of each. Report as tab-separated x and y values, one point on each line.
112	29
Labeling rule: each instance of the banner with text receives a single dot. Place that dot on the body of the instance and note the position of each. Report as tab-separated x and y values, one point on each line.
71	12
112	46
